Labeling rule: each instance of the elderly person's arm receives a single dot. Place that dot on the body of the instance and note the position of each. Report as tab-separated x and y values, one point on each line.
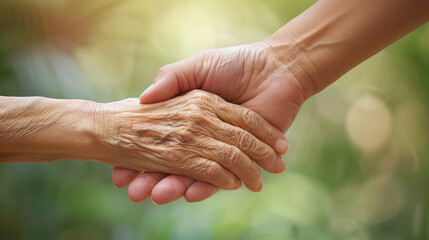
37	129
197	135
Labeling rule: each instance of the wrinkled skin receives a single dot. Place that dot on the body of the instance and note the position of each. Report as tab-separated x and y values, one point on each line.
198	135
253	76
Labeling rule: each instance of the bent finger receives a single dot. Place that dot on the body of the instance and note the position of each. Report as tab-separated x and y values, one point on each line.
207	170
170	189
233	159
199	191
122	177
254	148
141	187
250	121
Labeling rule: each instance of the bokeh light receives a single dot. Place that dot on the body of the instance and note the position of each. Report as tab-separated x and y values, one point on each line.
369	124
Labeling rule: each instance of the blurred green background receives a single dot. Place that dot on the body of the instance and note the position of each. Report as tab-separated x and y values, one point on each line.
358	163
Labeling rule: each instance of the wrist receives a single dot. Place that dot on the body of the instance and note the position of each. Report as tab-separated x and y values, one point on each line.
80	123
292	58
113	123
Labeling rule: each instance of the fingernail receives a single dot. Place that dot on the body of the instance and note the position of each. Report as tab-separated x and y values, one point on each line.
155	203
145	92
261	185
281	146
280	165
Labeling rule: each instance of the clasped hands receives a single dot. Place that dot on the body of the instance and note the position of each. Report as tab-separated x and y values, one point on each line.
200	142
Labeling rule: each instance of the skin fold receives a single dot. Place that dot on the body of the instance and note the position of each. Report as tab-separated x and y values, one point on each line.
275	76
198	135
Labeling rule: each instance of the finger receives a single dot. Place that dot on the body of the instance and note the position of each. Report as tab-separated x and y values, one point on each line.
206	170
199	191
170	189
281	165
254	148
233	159
173	79
121	177
141	187
248	120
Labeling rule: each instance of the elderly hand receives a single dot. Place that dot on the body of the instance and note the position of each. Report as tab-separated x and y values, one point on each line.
251	75
198	135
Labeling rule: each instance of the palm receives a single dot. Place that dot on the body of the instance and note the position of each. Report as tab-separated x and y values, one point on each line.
243	75
278	104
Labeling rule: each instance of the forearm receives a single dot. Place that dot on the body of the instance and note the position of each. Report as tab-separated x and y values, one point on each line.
36	129
333	36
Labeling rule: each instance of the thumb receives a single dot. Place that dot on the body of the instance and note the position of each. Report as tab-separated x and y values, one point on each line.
164	87
172	80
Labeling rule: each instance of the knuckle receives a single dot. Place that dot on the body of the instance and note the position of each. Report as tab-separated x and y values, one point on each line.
196	118
262	151
270	133
249	117
233	153
265	157
194	115
245	140
202	97
198	113
195	106
217	101
233	156
198	94
212	169
224	107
